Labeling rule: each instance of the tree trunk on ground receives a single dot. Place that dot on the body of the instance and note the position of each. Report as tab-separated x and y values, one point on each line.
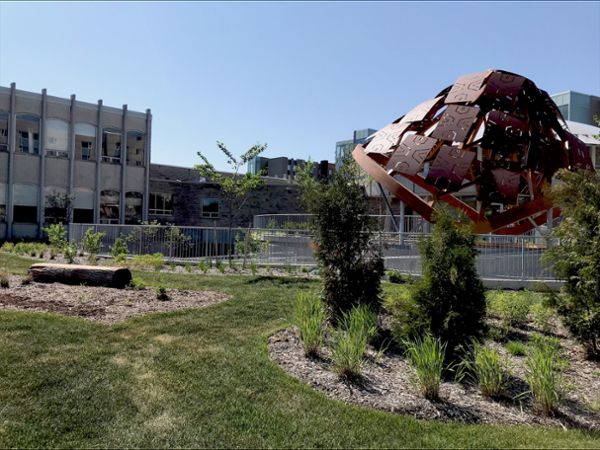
117	277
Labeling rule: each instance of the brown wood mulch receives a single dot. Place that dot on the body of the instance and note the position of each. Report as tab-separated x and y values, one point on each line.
100	304
385	385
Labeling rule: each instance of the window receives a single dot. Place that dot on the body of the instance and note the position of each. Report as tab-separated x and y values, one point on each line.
2	203
135	148
85	142
57	138
210	208
111	145
110	201
83	211
3	131
133	207
58	205
25	203
28	138
161	204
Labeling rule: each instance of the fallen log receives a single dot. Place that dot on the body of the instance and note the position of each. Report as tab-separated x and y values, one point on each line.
117	277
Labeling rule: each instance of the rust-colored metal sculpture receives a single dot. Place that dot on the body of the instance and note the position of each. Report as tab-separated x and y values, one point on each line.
494	131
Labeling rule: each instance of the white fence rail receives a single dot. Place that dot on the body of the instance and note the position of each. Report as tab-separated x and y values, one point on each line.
509	257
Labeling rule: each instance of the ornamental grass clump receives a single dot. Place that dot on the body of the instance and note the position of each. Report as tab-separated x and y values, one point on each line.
546	383
4	283
487	371
426	358
350	341
308	316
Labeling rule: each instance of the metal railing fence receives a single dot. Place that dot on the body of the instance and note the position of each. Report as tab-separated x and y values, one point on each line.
510	257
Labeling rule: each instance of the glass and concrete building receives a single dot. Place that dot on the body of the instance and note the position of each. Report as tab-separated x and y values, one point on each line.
577	107
286	168
343	147
52	147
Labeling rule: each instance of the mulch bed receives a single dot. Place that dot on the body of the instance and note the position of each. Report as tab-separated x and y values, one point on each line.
100	304
385	385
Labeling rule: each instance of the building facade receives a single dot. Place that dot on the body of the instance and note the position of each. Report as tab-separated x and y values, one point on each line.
52	147
344	147
578	107
286	168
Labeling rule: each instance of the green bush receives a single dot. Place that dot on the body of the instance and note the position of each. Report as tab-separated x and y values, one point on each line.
92	244
158	261
487	371
426	358
161	292
449	300
4	280
8	247
394	276
220	266
70	252
188	267
119	248
497	333
253	268
547	345
576	257
56	236
308	316
517	348
345	248
513	308
173	266
137	283
543	318
203	266
350	342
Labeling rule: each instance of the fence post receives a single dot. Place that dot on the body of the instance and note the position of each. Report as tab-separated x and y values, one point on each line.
246	246
522	258
215	239
171	245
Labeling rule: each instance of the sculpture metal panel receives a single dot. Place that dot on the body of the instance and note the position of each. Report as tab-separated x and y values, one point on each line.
493	130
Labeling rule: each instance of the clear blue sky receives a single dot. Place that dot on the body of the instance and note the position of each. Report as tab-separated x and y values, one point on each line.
299	76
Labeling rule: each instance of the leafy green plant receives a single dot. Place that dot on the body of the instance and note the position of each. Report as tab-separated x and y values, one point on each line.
4	279
426	358
173	266
26	279
220	266
517	348
576	256
394	276
137	283
161	292
350	342
308	316
268	269
128	302
513	309
449	300
546	383
497	332
253	268
408	278
188	267
487	371
304	269
543	318
119	248
92	244
288	269
203	266
8	247
70	252
345	247
56	236
158	261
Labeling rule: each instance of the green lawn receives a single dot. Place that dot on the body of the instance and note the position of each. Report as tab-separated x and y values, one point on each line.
197	378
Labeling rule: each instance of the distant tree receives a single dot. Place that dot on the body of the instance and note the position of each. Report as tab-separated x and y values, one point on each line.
236	188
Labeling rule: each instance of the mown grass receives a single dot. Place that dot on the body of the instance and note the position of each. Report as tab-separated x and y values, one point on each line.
198	378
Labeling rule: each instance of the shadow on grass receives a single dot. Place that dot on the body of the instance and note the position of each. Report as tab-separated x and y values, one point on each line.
280	281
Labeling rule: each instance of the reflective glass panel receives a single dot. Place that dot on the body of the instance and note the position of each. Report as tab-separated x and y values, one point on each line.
109	206
133	207
85	142
135	148
3	131
28	134
57	138
111	145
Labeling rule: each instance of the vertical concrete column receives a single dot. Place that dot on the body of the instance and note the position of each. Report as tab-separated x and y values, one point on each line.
98	151
146	198
124	154
71	147
42	194
12	139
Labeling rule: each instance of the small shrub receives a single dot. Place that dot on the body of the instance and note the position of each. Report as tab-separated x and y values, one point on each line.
8	247
544	319
288	269
56	236
203	266
304	269
268	269
173	266
394	276
546	383
308	316
92	244
488	372
4	280
70	252
514	310
517	348
408	278
551	347
161	292
350	342
137	283
426	358
188	267
497	333
119	248
220	266
253	268
26	279
158	261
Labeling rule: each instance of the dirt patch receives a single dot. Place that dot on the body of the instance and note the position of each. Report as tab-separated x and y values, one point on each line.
385	385
100	304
